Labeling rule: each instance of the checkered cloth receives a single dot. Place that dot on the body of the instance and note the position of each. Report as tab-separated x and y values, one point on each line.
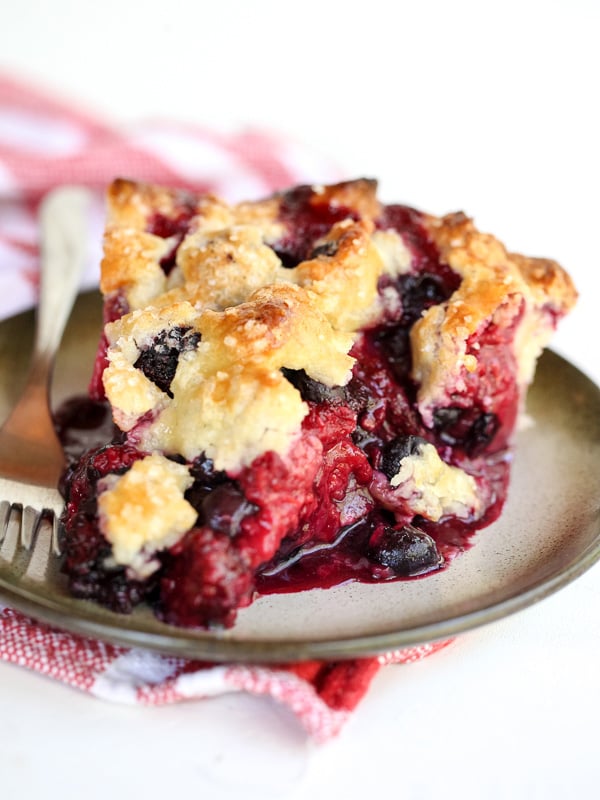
43	143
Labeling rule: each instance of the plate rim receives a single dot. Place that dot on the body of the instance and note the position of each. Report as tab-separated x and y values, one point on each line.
223	646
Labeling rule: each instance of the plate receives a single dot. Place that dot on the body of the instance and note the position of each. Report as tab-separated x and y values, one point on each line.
548	535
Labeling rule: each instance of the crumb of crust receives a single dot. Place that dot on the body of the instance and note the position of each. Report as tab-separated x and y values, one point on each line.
142	325
144	510
434	488
132	255
394	254
464	247
219	269
547	280
130	392
212	215
263	214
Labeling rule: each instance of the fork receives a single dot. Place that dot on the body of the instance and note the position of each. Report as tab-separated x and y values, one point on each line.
31	456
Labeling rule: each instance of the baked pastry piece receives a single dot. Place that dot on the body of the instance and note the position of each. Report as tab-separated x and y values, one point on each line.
307	389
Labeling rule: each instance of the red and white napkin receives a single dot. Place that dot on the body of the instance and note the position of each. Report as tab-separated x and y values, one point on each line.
321	694
45	142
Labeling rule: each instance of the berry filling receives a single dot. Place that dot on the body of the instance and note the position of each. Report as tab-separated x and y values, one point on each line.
306	220
339	505
171	227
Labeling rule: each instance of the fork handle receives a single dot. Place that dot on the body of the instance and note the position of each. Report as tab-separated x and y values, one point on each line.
63	250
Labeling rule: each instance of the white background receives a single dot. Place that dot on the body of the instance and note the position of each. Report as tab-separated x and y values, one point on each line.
487	107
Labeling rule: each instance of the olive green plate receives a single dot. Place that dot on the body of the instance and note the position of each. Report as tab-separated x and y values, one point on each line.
548	535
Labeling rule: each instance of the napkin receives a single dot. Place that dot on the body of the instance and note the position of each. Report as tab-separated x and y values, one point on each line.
46	141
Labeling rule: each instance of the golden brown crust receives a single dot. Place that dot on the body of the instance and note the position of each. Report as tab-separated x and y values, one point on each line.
130	203
359	195
548	281
132	255
145	510
481	255
494	284
345	276
255	315
131	264
223	267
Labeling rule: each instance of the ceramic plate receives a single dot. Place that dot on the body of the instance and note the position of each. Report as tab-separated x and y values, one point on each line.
548	534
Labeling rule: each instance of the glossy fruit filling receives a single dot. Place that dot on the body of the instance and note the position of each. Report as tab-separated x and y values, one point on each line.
325	513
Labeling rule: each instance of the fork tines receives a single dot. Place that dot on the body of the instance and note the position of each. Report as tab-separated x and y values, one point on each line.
24	527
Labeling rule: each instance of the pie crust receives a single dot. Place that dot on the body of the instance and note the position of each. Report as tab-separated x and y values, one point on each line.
312	371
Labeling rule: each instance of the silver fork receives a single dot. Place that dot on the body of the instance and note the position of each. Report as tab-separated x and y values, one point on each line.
31	456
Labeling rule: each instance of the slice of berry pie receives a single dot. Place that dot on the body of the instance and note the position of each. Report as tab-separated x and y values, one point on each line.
300	391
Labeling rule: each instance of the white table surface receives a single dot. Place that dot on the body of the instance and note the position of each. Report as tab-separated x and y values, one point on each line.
486	107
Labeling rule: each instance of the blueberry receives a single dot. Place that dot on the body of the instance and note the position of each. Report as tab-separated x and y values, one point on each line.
482	432
396	345
203	471
313	391
407	552
287	255
419	292
225	507
206	479
394	452
469	428
159	360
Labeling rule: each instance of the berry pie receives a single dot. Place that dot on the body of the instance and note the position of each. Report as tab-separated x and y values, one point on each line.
293	393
